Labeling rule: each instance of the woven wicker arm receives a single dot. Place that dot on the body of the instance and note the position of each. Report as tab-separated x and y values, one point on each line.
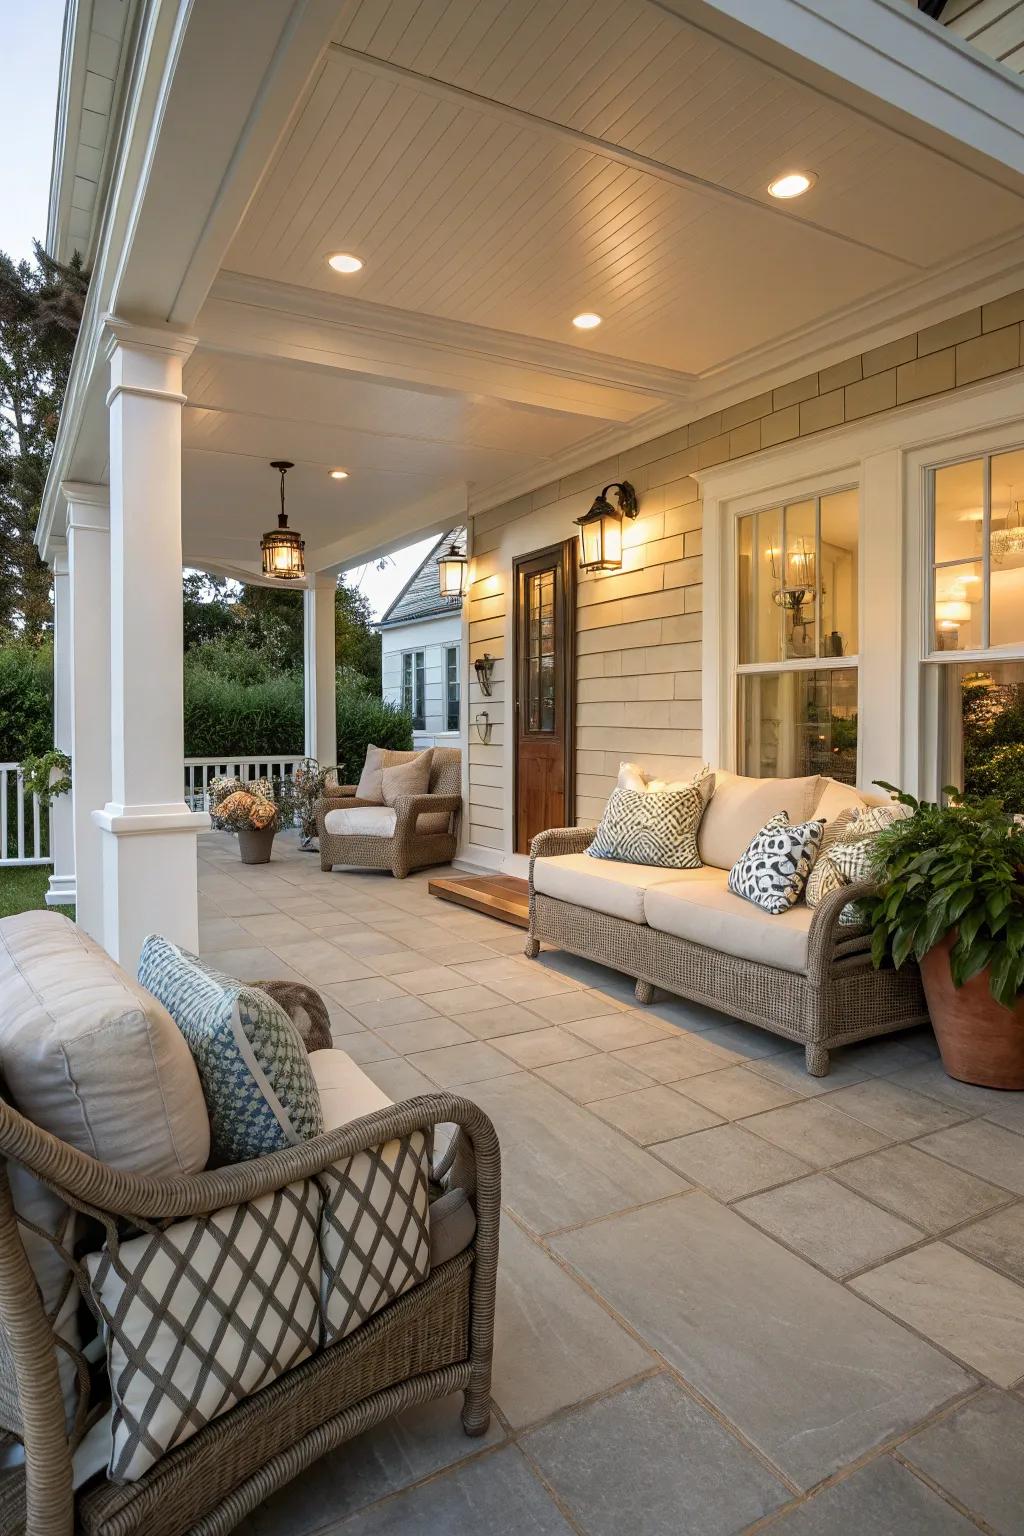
306	1009
550	845
409	808
111	1195
344	798
828	940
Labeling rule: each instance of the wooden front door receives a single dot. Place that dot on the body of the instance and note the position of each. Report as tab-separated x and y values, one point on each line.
545	627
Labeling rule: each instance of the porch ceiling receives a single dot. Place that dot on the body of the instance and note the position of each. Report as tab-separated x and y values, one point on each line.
499	168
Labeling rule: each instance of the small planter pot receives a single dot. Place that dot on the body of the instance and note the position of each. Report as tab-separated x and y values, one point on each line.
253	846
981	1041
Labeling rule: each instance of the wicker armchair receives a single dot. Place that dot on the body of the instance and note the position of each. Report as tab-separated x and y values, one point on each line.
413	844
434	1339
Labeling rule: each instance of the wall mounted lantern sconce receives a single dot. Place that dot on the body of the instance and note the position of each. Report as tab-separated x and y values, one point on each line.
282	547
484	725
600	529
452	572
484	667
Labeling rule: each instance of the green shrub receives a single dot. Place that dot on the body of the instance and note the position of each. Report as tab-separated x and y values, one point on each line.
364	718
225	717
1000	775
26	701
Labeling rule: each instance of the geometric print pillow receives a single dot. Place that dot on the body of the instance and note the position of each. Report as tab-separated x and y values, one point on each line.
846	859
259	1087
774	869
202	1314
654	827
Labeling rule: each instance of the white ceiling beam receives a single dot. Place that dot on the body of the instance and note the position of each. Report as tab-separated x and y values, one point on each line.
886	60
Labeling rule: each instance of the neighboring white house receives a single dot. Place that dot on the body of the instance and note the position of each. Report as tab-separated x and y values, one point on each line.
421	652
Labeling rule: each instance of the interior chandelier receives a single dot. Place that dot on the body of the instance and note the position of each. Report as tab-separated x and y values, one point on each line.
1009	540
793	578
282	547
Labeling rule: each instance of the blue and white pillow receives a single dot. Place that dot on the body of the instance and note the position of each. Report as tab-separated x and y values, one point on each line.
260	1092
773	871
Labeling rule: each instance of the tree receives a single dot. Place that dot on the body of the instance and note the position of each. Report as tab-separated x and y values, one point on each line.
356	642
40	314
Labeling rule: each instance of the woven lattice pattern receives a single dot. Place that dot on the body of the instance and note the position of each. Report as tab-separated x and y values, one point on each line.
412	845
204	1313
375	1236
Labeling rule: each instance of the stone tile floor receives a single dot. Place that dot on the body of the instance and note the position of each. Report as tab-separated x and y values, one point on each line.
732	1298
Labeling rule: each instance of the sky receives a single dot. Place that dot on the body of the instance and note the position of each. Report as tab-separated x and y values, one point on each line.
31	33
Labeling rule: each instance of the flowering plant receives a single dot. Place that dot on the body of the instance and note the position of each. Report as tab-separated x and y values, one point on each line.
261	806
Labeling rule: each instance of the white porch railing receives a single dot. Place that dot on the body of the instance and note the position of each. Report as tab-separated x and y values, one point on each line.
24	826
200	771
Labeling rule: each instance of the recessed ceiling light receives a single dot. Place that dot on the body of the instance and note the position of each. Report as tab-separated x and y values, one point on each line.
793	184
339	474
587	321
342	262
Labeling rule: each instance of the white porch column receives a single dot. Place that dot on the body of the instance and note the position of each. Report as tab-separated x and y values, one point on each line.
88	525
320	668
61	890
149	834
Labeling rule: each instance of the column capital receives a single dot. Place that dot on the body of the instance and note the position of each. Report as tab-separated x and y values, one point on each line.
58	561
124	335
88	504
145	360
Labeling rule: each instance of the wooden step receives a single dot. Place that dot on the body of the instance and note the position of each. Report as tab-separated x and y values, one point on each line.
502	896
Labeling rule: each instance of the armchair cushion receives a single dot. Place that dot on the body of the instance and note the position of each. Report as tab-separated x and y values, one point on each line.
361	821
259	1089
412	778
370	787
202	1314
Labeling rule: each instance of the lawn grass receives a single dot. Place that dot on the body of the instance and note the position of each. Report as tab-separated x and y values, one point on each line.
23	889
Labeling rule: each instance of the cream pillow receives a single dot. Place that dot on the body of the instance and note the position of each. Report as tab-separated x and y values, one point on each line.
835	798
370	785
411	778
634	778
740	807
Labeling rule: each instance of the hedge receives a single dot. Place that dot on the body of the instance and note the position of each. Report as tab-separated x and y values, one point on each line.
26	701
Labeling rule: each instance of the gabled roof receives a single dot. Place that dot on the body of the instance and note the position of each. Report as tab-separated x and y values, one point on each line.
421	598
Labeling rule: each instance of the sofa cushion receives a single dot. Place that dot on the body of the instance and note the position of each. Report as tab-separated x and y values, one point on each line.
260	1092
606	885
740	807
371	781
835	799
91	1056
707	913
644	827
773	871
346	1093
362	821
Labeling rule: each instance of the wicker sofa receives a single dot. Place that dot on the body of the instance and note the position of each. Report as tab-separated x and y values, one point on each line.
803	974
417	831
432	1339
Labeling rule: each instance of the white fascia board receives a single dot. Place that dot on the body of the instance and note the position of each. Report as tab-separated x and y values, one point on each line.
74	52
884	58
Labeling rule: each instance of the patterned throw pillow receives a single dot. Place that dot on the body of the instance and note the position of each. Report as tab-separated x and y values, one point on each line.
259	1088
773	871
641	827
203	1314
846	857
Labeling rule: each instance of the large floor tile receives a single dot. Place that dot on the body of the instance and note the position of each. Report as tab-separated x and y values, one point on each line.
655	1114
881	1499
593	1077
403	1009
999	1239
615	1031
560	1164
810	1373
977	1455
735	1092
815	1132
540	1047
922	1189
554	1344
400	1451
570	1007
453	1065
896	1112
422	1034
828	1224
986	1150
651	1461
398	1079
730	1162
516	979
667	1061
789	1071
968	1309
932	1079
506	1019
498	1493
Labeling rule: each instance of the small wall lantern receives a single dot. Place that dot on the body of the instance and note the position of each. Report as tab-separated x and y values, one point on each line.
282	547
452	571
600	529
484	667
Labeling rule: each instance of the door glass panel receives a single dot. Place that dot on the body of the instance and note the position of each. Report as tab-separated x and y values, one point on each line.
796	723
1006	546
959	602
839	571
959	511
540	655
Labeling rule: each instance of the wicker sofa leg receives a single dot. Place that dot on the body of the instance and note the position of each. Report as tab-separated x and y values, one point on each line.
816	1057
531	948
476	1411
644	991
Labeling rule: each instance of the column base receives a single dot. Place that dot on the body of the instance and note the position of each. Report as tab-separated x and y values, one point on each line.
61	891
150	876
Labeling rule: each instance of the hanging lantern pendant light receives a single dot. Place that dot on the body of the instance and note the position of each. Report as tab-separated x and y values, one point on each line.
282	547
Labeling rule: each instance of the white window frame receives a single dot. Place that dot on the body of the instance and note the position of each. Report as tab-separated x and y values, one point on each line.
417	686
452	674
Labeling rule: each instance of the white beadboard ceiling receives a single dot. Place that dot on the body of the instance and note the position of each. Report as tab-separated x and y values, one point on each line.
500	165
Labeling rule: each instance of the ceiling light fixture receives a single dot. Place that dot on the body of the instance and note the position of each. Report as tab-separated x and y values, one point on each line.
341	261
587	321
339	474
282	547
792	184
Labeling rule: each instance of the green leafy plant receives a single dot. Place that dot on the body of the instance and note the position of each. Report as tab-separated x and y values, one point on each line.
953	868
47	775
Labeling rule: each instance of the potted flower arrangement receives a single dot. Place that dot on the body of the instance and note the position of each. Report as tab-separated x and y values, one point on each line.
952	896
255	811
309	781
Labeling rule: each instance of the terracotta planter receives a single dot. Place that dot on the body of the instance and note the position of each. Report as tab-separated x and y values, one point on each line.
981	1041
254	846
